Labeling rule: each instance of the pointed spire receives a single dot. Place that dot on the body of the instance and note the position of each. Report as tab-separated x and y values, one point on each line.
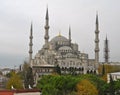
106	37
31	30
59	33
106	50
70	35
106	40
97	22
30	44
69	31
47	15
97	18
46	37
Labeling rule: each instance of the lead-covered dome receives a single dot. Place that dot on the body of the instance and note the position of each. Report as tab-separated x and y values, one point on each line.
60	40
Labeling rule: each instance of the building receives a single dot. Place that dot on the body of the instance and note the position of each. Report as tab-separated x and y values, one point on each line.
63	52
5	71
115	76
20	92
3	81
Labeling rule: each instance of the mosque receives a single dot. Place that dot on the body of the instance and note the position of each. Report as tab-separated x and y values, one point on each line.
61	51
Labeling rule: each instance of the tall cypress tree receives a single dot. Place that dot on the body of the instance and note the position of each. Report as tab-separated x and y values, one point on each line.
103	69
58	70
29	80
111	86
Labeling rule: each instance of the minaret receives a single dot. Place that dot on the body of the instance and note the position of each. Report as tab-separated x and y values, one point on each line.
46	37
106	51
97	41
30	44
70	35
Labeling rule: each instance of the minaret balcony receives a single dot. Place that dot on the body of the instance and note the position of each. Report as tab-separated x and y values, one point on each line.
47	27
30	51
97	40
30	44
96	50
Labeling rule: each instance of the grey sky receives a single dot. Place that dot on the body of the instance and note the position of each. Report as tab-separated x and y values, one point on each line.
16	17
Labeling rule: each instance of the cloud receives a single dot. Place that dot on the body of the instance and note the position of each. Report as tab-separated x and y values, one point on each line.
16	17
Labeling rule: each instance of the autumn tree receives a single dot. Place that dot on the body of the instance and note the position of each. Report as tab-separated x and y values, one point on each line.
85	87
66	84
14	81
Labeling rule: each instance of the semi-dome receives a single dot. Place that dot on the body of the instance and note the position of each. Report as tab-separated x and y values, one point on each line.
65	48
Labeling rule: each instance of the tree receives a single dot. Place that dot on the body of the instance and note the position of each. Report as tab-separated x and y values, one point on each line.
28	78
58	85
97	81
103	70
66	84
57	70
111	86
27	75
85	87
1	73
14	81
117	87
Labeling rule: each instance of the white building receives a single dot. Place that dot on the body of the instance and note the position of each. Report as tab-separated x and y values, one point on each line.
115	76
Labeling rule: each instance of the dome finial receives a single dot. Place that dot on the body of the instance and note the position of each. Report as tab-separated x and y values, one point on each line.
59	33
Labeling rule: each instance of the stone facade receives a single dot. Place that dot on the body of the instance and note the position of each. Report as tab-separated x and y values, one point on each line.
61	51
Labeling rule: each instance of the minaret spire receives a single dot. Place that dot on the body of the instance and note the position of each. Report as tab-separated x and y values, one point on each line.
30	44
70	35
97	41
46	37
106	51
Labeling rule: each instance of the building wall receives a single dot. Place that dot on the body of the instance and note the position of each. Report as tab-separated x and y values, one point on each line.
28	93
6	93
20	92
115	76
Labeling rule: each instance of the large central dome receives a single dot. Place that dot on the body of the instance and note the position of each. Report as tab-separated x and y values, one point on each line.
58	39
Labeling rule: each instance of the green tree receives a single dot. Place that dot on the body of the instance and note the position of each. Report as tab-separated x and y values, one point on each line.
117	87
58	85
14	81
57	70
27	75
111	86
66	84
28	78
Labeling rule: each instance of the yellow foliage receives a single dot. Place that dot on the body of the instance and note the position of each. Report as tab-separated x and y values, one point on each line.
109	68
14	81
85	87
104	77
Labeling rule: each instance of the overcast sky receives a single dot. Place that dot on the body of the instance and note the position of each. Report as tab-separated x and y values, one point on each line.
17	15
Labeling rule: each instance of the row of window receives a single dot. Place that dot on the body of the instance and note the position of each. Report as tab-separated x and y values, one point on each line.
71	63
72	69
44	70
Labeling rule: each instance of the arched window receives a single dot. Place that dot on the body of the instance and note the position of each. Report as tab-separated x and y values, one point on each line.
70	63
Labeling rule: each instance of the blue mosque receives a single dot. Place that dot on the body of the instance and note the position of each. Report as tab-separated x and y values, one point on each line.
61	51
